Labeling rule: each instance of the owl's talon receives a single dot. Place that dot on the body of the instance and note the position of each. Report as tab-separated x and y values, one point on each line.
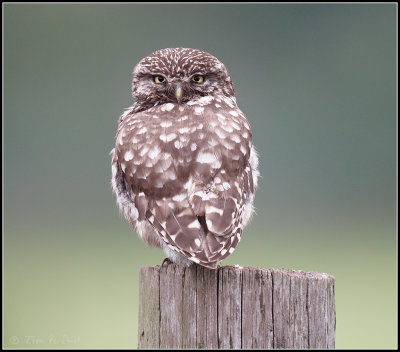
166	260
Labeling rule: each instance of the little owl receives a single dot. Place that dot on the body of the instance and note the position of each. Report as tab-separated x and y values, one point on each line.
184	168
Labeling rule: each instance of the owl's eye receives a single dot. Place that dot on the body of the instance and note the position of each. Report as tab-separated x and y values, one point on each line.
198	78
159	79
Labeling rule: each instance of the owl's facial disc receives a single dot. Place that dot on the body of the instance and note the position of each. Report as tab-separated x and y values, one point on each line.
179	75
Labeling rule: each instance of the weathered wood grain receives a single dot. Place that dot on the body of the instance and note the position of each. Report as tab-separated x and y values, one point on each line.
229	308
235	308
149	307
189	310
298	311
171	307
207	315
257	322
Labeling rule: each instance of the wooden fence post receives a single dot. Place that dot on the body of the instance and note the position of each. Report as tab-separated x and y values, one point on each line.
235	308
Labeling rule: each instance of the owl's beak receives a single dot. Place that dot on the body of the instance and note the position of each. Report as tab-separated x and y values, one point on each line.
178	93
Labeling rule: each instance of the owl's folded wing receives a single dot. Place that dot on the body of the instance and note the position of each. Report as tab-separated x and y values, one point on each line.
204	223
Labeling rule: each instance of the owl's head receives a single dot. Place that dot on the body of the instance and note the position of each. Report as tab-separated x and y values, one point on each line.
179	75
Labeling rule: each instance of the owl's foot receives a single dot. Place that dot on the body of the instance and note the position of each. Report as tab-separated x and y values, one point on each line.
166	260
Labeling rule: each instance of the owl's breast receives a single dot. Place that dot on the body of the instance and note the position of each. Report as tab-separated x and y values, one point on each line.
160	148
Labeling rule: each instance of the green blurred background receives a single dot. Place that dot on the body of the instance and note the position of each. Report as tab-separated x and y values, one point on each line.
318	85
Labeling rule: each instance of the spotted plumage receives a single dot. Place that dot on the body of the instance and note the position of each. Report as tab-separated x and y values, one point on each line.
184	169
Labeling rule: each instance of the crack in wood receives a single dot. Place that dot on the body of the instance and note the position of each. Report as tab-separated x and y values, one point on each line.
308	316
218	308
241	309
272	310
159	308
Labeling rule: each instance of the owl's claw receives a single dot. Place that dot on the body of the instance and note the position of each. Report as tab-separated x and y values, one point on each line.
166	260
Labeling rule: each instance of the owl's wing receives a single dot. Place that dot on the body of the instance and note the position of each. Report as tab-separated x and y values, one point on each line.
204	224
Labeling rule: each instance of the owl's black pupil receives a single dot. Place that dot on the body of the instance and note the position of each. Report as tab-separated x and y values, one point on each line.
196	78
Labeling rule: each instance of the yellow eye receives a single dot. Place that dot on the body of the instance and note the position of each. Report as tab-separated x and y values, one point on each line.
198	78
159	79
